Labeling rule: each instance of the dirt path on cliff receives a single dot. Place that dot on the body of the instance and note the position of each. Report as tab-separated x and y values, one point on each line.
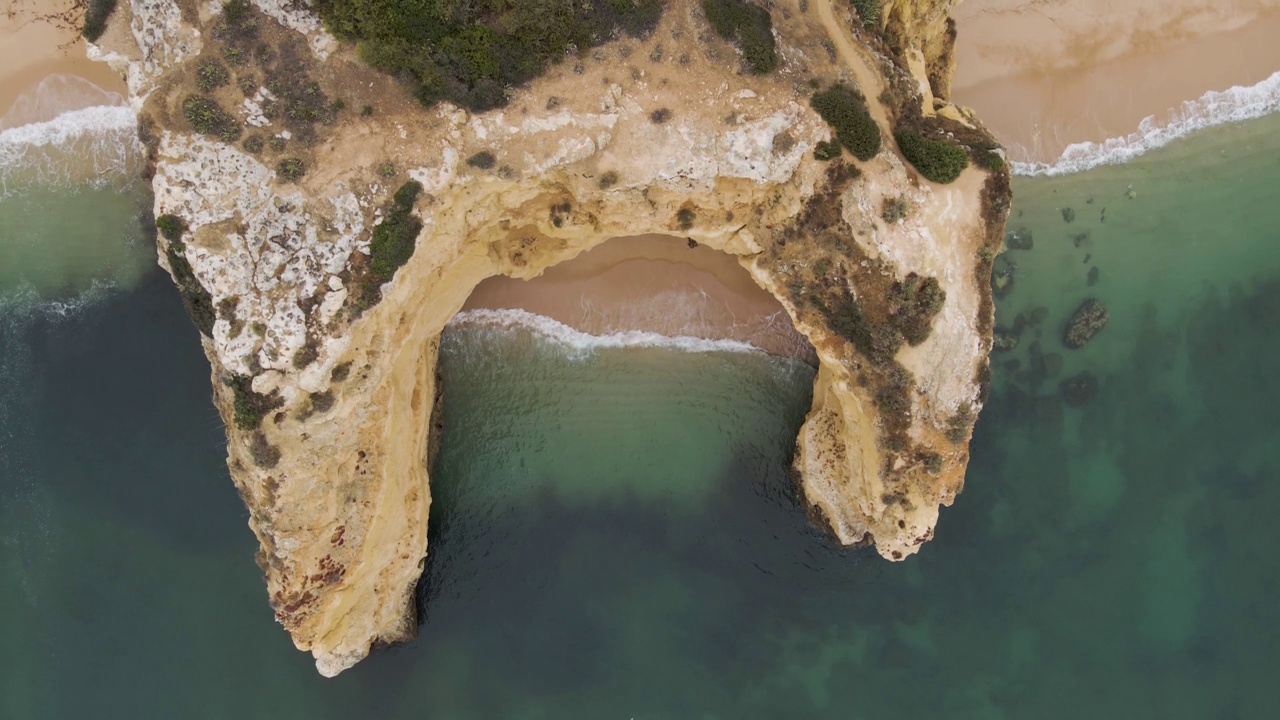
855	58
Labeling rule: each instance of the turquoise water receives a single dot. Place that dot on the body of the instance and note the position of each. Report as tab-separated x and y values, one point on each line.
615	535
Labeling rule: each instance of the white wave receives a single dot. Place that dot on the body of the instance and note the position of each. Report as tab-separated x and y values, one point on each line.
1235	104
576	340
24	302
95	144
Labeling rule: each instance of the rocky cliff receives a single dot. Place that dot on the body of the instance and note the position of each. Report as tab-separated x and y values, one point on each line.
324	363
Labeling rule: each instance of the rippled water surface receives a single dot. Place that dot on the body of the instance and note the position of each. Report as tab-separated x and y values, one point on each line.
614	533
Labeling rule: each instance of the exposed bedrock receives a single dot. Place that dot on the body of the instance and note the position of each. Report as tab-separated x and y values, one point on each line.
324	280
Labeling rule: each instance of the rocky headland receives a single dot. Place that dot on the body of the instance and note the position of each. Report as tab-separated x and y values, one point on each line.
323	226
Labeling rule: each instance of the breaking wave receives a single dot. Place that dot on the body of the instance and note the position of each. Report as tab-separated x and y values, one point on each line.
67	131
579	343
1213	108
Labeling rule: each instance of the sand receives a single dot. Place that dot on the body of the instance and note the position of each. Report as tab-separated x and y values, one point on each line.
1044	74
32	50
652	283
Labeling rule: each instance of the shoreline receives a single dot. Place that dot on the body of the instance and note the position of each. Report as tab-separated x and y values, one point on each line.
1044	77
650	284
32	50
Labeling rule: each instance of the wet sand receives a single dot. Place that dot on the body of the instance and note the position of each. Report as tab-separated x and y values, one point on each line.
652	283
31	50
1043	75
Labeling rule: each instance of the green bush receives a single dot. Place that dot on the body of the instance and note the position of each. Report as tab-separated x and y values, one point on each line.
95	18
395	238
749	27
484	160
685	218
914	302
937	160
826	150
195	298
470	53
846	112
212	74
659	116
171	227
868	10
205	115
608	179
290	169
249	407
253	144
990	159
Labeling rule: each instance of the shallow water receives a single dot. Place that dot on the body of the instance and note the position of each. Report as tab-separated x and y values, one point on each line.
614	532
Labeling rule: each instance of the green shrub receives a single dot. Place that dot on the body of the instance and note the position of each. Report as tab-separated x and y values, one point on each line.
937	160
484	160
685	218
205	115
395	238
366	111
846	112
868	11
171	227
253	144
990	159
290	169
608	180
195	298
659	116
826	150
914	302
95	18
249	407
470	53
386	169
749	27
894	209
210	75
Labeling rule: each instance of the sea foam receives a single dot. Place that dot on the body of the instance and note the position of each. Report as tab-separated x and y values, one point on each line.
1234	104
580	343
64	131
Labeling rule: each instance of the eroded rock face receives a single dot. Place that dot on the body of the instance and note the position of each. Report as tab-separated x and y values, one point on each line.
328	396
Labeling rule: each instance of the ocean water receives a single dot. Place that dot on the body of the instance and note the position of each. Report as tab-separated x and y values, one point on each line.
614	532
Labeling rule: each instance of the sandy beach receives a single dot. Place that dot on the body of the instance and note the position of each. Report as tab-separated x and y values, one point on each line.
651	283
32	50
1045	74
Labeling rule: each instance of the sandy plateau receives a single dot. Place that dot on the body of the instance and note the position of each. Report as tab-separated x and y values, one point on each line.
329	398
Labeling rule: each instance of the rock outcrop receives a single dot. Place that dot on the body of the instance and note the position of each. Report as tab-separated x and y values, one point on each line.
326	377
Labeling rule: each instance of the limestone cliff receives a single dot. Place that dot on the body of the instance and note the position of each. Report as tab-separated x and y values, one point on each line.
327	379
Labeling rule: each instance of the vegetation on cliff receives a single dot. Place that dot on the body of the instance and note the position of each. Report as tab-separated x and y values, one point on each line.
749	27
95	18
473	53
845	110
393	243
938	160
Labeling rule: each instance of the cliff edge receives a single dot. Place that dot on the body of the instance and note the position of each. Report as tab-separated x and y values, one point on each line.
323	226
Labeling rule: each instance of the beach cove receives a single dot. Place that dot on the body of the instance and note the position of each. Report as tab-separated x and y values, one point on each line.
615	532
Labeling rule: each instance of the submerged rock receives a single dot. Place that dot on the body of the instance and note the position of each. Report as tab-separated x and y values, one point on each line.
1092	278
1019	239
1003	339
1068	214
1086	322
1079	389
1037	315
1002	282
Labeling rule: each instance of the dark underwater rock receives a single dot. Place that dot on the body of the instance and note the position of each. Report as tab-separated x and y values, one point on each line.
1085	323
1037	315
1079	389
1093	276
1002	282
1068	214
1003	339
1019	239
